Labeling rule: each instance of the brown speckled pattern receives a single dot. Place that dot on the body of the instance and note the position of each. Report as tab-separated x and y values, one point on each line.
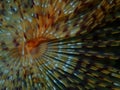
59	45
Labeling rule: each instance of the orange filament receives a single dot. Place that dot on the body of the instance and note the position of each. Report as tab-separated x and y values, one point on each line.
31	44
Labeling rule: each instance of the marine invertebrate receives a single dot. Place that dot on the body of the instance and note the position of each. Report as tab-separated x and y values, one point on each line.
59	44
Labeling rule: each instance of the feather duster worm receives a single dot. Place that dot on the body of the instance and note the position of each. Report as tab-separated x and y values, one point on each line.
59	45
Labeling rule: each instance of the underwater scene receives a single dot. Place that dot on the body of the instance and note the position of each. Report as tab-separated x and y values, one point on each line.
59	44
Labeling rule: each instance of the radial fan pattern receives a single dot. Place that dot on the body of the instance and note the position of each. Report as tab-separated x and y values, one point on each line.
59	44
